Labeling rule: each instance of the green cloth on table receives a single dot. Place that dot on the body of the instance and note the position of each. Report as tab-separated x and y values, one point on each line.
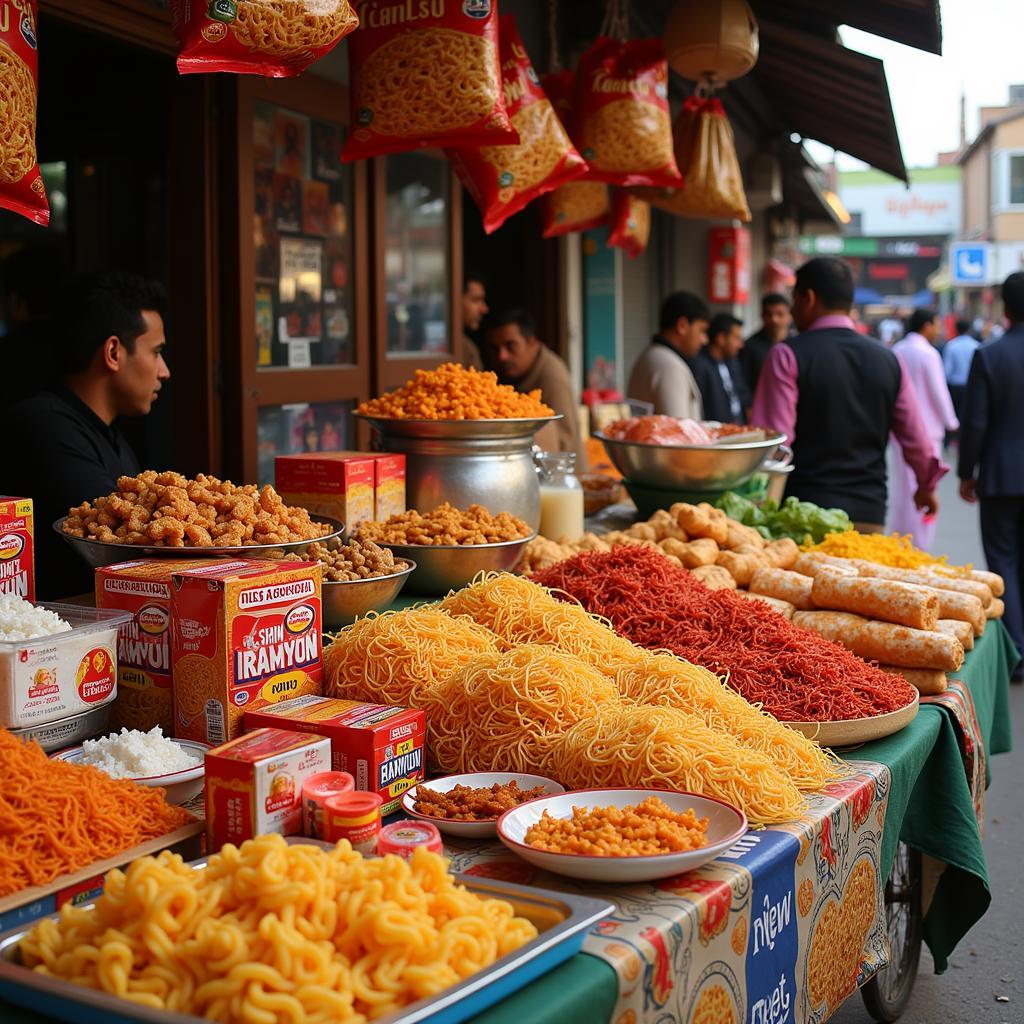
930	805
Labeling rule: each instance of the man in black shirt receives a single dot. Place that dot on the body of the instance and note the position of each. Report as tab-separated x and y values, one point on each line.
65	448
717	369
776	327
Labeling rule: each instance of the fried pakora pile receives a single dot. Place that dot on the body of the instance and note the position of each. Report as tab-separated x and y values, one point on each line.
170	510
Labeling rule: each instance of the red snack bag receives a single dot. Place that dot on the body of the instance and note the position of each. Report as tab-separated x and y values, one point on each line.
276	38
623	127
21	187
433	79
631	224
580	204
505	179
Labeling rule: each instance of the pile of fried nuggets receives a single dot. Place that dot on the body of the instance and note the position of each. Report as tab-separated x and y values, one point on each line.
170	510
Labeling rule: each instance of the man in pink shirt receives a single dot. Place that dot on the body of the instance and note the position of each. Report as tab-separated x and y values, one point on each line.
922	365
838	396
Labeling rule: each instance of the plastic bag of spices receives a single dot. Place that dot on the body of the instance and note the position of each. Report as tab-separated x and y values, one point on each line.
21	186
276	38
622	125
505	179
432	79
631	224
580	204
706	152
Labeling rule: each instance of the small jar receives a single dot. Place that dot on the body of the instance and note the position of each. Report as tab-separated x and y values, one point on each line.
403	837
353	816
561	496
316	790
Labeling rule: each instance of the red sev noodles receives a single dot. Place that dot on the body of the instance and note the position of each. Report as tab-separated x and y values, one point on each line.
796	675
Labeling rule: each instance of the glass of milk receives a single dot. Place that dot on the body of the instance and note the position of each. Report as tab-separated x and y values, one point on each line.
561	496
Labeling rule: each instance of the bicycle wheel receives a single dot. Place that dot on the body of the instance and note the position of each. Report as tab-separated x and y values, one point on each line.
887	994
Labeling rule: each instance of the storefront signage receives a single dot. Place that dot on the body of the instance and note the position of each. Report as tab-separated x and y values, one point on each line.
888	207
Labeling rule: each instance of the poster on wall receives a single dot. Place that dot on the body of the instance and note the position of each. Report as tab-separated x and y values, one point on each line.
291	144
300	290
264	325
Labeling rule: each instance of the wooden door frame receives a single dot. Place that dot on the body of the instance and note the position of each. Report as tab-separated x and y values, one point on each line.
391	371
250	387
131	21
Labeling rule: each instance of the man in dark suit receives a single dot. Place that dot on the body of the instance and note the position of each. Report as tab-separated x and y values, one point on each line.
992	454
717	369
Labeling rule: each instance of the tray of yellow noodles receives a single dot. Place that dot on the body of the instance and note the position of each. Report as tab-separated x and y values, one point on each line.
280	929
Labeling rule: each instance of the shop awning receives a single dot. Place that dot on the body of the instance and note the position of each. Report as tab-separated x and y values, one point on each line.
826	92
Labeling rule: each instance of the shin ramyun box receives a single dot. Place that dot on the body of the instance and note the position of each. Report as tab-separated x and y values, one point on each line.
381	747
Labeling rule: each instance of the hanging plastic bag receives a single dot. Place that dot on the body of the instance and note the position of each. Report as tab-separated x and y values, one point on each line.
276	38
21	186
631	224
432	81
581	204
505	179
623	127
706	152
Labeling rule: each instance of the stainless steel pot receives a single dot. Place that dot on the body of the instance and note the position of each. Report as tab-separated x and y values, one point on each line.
487	462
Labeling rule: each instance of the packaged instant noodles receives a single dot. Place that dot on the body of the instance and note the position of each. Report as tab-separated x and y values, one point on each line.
420	79
631	224
505	179
580	204
706	153
276	38
21	186
623	127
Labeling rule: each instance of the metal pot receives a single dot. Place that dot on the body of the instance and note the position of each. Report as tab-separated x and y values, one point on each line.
486	462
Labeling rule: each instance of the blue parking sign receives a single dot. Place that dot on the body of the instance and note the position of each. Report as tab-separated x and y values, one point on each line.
968	263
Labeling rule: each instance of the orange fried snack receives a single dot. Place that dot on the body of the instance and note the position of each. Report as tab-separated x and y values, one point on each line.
447	526
453	392
466	803
640	830
170	510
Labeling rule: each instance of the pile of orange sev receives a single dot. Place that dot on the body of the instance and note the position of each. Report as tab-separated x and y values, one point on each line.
57	817
453	392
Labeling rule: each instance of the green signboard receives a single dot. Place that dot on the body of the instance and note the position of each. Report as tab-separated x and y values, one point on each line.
601	369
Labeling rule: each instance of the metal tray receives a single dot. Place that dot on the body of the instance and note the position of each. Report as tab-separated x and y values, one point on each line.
562	919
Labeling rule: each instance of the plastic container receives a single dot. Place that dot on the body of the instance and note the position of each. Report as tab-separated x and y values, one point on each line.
62	675
353	816
403	837
316	790
561	496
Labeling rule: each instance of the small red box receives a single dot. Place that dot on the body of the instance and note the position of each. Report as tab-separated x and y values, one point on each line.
17	548
380	747
339	485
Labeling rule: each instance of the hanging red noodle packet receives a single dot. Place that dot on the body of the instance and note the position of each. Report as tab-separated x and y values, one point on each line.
275	38
580	204
433	79
623	127
706	151
505	179
21	186
631	224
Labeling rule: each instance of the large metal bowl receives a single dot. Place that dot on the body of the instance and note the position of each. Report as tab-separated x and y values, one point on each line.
441	568
709	467
346	600
461	430
97	553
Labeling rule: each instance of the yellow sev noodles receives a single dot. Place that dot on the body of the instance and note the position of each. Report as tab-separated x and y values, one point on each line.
502	712
271	933
392	658
665	748
520	611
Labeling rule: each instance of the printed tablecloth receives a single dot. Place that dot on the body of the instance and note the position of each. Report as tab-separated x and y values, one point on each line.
782	927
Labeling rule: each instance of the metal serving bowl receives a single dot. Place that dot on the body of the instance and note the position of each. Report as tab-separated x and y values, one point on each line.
345	600
463	430
96	553
709	467
66	732
441	568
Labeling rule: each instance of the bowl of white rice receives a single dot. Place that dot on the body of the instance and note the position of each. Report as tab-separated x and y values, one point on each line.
148	758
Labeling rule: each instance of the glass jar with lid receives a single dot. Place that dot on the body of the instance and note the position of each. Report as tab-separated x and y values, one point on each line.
561	496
